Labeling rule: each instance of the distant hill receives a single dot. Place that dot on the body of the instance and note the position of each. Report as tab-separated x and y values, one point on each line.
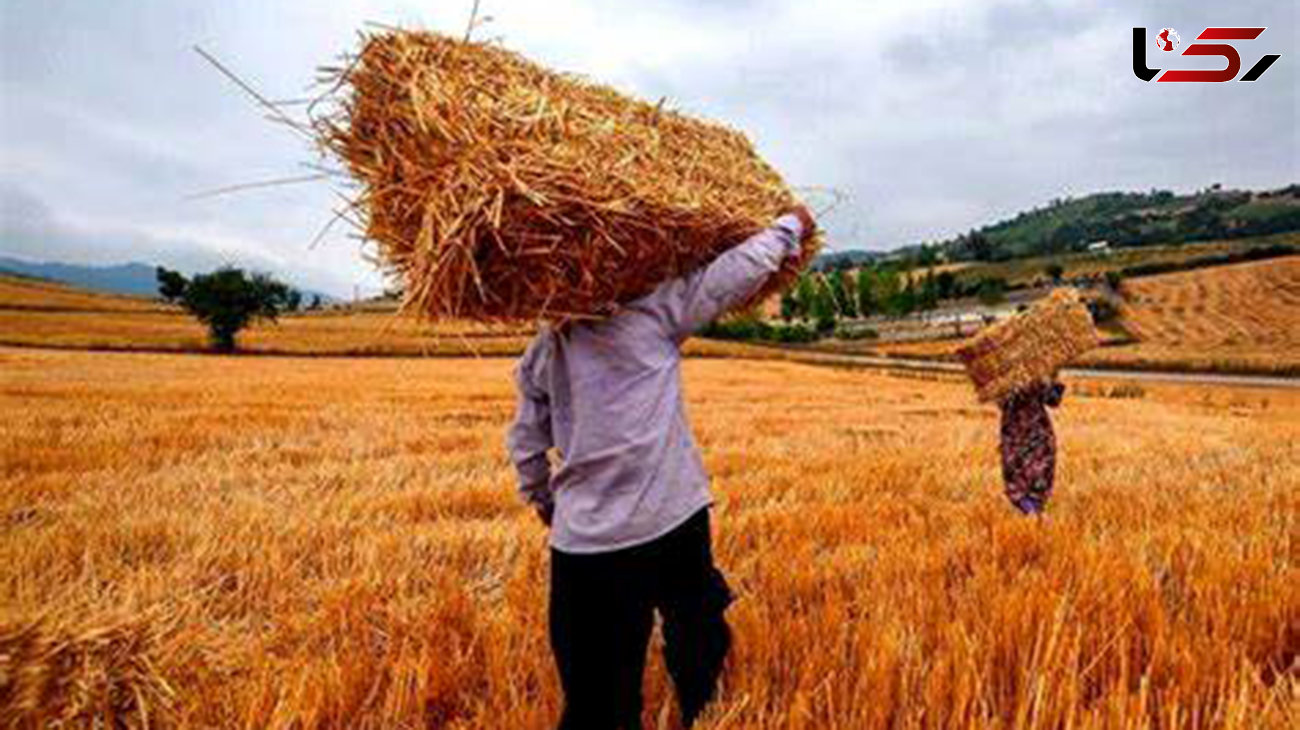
1123	219
134	278
1131	219
845	259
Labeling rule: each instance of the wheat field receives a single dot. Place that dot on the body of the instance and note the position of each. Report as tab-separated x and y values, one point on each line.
1246	313
1236	318
39	314
217	542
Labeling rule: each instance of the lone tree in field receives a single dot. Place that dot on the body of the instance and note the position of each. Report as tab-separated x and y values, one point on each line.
227	300
171	284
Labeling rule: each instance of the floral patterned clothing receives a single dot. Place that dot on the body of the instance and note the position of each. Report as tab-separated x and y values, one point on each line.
1029	445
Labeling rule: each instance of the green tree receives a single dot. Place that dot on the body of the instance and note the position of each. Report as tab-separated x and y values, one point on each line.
171	284
841	283
294	301
992	291
805	294
928	255
227	300
789	305
905	300
928	297
947	284
978	246
887	289
823	307
867	304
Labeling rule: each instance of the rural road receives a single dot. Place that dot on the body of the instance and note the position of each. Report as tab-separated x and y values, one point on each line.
875	361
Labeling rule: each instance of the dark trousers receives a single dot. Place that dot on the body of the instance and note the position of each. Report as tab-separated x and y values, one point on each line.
601	613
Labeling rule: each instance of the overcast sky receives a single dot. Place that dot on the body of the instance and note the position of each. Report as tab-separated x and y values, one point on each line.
931	117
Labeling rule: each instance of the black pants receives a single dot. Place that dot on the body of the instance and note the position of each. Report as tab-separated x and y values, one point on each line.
602	611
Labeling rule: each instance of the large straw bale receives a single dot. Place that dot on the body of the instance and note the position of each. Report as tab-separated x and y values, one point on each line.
499	190
1029	347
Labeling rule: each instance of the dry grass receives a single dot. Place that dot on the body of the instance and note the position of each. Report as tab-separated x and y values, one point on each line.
500	190
276	543
361	333
1245	313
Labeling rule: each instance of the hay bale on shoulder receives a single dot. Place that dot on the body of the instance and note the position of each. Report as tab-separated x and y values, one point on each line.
500	190
1029	347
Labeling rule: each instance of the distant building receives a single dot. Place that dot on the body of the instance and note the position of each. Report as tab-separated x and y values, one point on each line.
1099	247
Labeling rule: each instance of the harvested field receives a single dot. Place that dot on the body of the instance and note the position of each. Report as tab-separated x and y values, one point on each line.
317	543
38	317
1245	312
1241	318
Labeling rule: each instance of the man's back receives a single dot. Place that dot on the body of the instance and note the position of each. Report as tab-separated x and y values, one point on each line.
607	395
630	471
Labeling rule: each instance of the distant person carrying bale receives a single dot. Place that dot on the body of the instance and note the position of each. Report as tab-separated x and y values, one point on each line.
1015	363
498	190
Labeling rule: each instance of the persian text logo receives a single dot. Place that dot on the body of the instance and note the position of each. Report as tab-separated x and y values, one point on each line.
1168	39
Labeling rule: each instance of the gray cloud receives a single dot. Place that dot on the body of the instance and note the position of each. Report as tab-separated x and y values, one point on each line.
932	116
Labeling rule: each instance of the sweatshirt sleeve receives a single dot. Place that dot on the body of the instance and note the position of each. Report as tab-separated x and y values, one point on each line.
688	303
529	436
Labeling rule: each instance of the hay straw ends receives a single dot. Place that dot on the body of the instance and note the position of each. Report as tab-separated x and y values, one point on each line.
100	672
496	189
1029	347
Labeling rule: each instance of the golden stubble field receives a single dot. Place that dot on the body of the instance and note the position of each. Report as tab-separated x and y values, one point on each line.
1235	318
315	543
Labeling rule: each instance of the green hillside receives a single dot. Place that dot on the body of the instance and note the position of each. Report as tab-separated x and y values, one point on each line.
1131	219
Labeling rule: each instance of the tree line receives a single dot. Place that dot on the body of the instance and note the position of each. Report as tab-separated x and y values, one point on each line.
825	297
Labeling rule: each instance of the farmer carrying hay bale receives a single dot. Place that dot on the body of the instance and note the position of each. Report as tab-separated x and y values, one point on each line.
1015	363
499	190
